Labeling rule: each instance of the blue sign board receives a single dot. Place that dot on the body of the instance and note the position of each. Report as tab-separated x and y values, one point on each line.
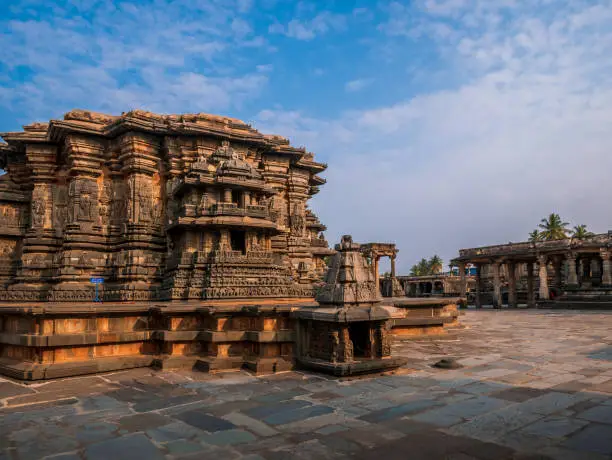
97	281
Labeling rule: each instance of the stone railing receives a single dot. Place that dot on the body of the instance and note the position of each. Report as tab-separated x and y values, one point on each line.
237	257
232	209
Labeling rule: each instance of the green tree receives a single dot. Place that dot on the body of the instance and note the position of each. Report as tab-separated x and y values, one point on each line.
535	236
580	232
553	228
424	268
414	270
435	265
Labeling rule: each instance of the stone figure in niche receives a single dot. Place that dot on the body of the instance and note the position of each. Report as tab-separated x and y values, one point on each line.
144	206
38	213
203	204
85	207
297	221
386	339
335	346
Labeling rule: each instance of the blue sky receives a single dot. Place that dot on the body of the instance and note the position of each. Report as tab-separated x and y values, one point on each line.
445	123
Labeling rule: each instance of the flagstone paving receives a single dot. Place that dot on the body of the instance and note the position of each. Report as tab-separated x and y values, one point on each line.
535	385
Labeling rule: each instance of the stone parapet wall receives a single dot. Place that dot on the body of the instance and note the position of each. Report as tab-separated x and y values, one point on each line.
50	340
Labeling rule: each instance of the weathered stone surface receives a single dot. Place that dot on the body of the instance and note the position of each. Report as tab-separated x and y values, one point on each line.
382	415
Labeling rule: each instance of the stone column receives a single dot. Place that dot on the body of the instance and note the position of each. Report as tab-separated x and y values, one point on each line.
246	198
477	300
530	291
543	261
572	275
376	259
557	265
227	195
606	275
497	298
393	266
512	299
462	280
586	271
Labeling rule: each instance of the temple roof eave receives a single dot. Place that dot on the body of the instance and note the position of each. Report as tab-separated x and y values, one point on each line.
226	221
312	166
316	180
530	250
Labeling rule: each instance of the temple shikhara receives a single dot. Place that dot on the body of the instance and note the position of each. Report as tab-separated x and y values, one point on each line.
170	240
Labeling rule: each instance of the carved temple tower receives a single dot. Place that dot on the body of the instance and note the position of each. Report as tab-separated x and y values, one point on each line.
195	232
162	207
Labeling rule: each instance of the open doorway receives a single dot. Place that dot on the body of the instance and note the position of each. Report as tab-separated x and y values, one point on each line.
359	333
236	197
238	240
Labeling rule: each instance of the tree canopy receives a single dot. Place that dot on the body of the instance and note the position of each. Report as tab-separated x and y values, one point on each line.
580	232
553	228
431	266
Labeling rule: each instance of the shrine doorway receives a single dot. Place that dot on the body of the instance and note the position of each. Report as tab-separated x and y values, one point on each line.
238	240
359	334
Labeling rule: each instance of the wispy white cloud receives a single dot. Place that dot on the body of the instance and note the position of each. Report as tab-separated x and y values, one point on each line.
308	29
527	131
357	85
160	56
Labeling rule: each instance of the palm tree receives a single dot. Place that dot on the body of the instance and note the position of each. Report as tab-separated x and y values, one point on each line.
553	228
424	268
435	265
414	270
535	236
580	232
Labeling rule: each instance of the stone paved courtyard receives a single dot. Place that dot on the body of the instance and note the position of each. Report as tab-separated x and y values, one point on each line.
536	384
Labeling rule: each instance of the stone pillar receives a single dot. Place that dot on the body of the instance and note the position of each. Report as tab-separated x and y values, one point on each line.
595	272
557	265
227	195
530	290
586	271
376	259
497	298
393	266
246	197
462	280
477	299
512	299
572	275
543	274
606	275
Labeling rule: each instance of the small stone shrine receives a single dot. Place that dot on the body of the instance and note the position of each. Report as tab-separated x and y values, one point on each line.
350	331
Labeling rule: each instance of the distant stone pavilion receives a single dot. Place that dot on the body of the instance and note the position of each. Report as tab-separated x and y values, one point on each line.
565	273
164	240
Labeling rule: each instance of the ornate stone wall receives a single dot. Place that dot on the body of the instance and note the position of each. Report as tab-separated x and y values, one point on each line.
153	204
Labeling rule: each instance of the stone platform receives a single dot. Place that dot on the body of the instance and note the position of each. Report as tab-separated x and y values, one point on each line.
54	339
523	393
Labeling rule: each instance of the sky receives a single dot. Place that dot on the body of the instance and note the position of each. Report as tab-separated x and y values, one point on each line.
446	124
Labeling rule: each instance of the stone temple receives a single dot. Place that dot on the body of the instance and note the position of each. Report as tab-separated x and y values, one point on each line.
161	240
